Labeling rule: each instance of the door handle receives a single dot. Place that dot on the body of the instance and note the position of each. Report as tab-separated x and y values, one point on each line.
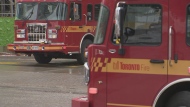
170	46
85	19
156	61
112	51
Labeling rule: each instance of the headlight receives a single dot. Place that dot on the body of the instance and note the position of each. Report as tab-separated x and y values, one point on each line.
20	30
52	33
86	54
86	73
20	35
52	36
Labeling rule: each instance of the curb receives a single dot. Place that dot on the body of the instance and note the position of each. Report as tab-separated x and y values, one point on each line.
7	54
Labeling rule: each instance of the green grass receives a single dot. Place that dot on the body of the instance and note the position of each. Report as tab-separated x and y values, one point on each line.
6	30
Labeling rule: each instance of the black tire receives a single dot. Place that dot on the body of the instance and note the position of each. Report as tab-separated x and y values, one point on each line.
42	59
81	57
180	99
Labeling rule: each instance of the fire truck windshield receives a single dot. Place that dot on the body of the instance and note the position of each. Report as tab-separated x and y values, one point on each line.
26	11
41	11
102	25
52	11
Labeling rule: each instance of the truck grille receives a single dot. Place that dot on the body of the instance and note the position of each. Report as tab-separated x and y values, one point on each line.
36	31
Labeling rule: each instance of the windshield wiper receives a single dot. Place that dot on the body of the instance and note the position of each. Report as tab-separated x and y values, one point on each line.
29	16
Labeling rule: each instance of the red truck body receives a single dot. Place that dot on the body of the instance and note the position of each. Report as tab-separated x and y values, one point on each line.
140	56
54	28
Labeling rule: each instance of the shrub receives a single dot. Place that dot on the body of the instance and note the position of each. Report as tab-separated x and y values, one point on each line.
6	30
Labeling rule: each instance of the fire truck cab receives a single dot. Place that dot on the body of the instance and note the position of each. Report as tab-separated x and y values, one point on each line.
54	28
140	55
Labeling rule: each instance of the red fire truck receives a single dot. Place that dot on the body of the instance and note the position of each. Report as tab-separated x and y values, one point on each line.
140	56
54	28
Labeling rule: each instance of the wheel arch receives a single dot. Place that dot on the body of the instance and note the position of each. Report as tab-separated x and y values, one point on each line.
89	36
176	86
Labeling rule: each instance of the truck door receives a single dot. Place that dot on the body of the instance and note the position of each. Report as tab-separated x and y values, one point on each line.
135	78
180	39
73	29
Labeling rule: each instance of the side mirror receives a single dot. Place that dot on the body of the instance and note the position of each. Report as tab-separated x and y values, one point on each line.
129	32
119	20
76	12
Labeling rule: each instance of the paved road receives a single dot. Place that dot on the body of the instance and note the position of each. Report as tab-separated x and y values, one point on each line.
25	83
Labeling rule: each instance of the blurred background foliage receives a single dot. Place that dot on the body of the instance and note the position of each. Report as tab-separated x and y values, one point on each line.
6	30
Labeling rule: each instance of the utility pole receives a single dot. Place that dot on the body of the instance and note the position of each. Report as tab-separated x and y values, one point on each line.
11	7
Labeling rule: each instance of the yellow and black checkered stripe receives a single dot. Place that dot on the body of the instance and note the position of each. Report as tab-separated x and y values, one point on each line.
99	64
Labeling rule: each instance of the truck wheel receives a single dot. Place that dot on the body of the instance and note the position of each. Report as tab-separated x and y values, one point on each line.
42	59
180	99
81	57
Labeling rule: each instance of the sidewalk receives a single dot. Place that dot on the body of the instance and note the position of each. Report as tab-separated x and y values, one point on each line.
5	52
